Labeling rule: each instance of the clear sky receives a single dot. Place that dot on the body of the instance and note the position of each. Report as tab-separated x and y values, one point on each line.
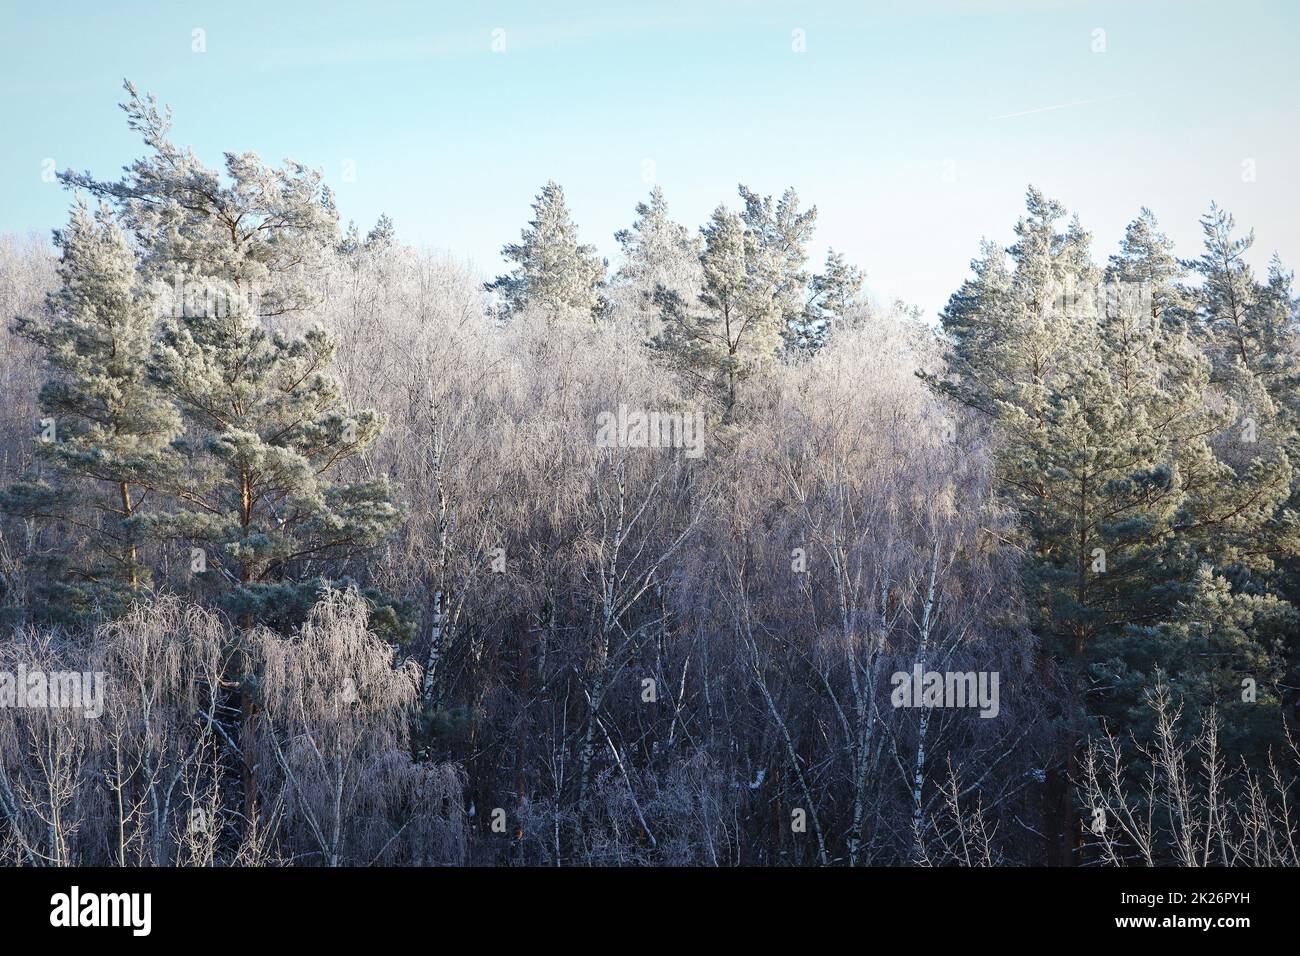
913	126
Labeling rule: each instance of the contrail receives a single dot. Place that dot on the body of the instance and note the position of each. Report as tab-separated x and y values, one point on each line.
1061	106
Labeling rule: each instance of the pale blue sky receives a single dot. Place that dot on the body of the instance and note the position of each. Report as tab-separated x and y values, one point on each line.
453	140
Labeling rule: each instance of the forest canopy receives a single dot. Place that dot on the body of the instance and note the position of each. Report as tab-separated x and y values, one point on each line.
383	561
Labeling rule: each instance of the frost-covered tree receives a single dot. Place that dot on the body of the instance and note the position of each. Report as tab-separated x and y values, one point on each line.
379	238
1145	269
1011	330
266	426
754	289
1249	328
1129	508
272	426
782	231
657	254
259	233
107	429
260	501
736	324
832	298
1227	294
1146	530
553	272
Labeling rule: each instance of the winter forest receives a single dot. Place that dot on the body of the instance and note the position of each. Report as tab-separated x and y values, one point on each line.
318	548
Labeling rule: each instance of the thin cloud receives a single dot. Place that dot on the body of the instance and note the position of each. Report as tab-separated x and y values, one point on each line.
1061	106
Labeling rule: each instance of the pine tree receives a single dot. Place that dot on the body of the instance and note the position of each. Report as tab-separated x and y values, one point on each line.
259	501
1248	330
832	298
736	325
379	238
1227	294
111	427
382	235
1129	506
1144	533
782	232
554	273
1146	268
658	254
266	427
1010	331
979	356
